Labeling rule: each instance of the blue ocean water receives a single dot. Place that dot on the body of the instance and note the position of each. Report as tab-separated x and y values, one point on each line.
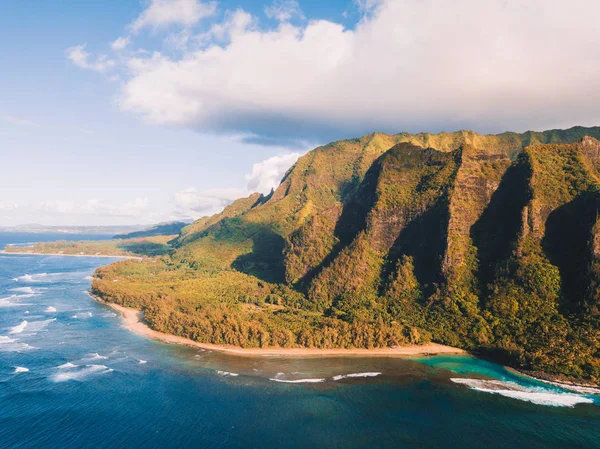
72	377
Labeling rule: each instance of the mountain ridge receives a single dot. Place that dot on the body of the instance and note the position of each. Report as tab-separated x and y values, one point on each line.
393	239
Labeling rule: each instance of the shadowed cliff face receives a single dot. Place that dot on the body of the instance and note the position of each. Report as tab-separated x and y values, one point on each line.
485	242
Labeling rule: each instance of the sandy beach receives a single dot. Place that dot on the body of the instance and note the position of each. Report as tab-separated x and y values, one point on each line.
133	321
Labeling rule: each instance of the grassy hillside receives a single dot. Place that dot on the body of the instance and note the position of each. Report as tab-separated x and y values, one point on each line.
490	243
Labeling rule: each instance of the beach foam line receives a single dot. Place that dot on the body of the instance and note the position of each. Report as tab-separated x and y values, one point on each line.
19	328
227	373
535	395
79	374
346	376
20	369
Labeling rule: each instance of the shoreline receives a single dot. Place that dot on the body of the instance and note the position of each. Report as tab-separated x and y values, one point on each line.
67	255
133	322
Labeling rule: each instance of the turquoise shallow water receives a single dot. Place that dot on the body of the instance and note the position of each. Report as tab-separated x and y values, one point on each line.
72	377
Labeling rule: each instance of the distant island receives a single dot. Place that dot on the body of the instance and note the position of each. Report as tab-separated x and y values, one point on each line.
171	228
489	243
132	247
117	231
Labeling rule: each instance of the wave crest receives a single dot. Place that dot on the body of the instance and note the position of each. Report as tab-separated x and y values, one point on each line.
79	374
346	376
535	395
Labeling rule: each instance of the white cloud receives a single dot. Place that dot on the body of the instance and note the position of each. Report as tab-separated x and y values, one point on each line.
132	209
18	121
120	43
266	175
163	13
4	206
284	10
414	65
193	203
82	59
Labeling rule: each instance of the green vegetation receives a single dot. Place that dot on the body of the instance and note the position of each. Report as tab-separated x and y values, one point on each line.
490	243
148	246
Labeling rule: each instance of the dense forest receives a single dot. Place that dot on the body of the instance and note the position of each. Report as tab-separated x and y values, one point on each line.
486	242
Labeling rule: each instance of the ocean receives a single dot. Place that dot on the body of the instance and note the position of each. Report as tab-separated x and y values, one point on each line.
72	377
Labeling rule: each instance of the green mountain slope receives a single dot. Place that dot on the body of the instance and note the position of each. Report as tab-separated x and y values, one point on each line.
490	243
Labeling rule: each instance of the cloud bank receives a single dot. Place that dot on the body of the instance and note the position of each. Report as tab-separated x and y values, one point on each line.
415	65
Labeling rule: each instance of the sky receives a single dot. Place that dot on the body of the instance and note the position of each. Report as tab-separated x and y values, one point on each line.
141	111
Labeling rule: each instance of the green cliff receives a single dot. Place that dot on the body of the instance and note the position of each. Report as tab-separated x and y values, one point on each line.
490	243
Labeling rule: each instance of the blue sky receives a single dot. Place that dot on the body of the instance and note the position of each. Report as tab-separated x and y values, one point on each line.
201	102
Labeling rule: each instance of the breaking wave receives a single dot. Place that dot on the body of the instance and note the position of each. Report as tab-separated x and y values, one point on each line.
20	369
18	328
297	381
96	356
67	365
31	277
345	376
227	373
79	373
535	395
8	344
82	315
50	309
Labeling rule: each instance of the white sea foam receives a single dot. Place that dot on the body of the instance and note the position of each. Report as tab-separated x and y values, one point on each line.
345	376
8	344
577	388
9	301
23	290
536	395
96	356
227	373
19	328
89	278
298	381
36	326
67	365
50	309
31	277
80	373
82	315
142	362
20	369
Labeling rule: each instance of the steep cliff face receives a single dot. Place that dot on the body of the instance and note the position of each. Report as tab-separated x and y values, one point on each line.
484	242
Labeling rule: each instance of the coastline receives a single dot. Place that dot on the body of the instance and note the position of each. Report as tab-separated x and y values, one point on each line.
133	322
68	255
